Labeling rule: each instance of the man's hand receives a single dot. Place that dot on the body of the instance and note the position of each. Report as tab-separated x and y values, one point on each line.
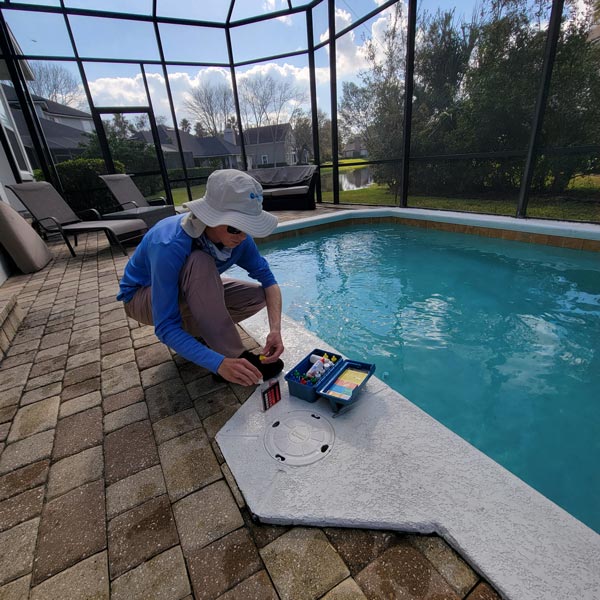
273	347
239	370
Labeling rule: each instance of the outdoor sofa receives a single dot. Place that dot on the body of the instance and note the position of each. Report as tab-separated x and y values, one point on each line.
287	188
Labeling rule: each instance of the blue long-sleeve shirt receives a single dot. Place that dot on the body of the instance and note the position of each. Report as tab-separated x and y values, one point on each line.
157	262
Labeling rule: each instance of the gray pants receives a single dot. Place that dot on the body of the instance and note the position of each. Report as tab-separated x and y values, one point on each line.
210	306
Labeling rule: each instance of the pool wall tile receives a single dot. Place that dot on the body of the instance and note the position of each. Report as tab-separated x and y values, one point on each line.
576	236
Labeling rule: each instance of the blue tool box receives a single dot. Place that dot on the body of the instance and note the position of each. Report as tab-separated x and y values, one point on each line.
341	384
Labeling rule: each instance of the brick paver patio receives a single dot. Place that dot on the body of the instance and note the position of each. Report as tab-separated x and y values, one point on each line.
112	486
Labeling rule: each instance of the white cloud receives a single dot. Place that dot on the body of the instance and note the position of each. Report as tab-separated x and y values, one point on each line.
350	55
273	5
351	48
118	91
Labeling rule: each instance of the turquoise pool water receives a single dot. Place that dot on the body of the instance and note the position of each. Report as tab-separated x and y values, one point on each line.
500	341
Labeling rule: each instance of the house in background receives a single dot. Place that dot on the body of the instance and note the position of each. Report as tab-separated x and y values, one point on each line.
64	128
355	148
198	152
270	145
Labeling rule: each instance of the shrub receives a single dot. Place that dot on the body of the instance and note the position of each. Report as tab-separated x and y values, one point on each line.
82	186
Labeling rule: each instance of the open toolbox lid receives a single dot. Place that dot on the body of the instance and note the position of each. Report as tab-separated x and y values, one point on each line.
343	386
340	385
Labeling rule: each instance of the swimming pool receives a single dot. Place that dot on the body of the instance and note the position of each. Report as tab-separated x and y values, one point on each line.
500	341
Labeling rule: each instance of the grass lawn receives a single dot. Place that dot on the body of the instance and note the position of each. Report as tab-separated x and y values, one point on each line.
549	208
180	194
343	165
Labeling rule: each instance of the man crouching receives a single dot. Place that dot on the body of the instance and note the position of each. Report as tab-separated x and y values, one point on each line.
173	280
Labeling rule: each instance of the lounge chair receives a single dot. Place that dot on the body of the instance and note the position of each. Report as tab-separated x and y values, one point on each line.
133	203
53	215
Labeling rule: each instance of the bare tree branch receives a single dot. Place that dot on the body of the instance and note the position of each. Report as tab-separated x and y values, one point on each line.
211	106
54	82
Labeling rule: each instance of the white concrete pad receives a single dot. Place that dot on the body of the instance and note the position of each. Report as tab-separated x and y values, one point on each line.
392	466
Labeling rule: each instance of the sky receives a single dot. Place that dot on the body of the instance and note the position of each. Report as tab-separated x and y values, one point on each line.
122	84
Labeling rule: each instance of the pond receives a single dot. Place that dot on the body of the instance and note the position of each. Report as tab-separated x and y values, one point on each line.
355	179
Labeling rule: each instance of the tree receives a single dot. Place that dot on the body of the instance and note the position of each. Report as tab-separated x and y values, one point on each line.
572	116
475	89
267	101
442	57
54	82
211	106
356	112
120	126
199	130
302	126
140	123
374	109
500	92
136	155
185	125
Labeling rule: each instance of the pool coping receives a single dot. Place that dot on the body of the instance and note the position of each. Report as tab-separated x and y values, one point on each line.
578	236
525	545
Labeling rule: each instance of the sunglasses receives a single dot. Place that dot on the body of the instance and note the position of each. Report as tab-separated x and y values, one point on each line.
233	230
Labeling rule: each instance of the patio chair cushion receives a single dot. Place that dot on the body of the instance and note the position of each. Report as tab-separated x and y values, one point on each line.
28	251
295	190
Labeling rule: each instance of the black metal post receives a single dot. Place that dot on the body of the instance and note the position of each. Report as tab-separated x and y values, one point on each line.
540	106
34	126
333	90
408	96
98	124
156	137
171	105
236	99
313	99
14	167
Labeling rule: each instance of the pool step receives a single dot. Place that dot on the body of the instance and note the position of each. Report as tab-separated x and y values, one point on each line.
11	316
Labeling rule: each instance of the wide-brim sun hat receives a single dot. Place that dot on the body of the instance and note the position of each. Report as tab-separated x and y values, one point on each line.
233	198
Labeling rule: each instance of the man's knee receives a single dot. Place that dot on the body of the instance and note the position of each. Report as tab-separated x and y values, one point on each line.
199	272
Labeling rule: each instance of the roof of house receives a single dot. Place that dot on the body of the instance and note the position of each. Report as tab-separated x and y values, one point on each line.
206	147
49	106
58	136
266	134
